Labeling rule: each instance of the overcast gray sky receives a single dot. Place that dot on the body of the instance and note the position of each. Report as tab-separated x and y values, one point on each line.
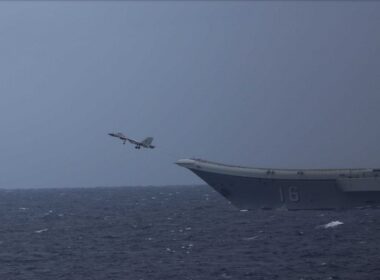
279	84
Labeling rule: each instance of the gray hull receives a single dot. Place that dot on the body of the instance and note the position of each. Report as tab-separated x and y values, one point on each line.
250	188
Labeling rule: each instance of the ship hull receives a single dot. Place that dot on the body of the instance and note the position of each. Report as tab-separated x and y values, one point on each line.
298	193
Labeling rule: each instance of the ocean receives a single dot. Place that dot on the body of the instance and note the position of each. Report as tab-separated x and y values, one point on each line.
184	232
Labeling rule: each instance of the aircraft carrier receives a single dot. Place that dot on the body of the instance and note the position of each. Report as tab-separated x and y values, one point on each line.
291	189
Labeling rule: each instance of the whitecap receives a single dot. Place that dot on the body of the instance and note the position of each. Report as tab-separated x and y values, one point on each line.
332	224
41	230
250	238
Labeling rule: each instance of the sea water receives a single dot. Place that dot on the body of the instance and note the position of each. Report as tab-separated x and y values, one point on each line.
187	232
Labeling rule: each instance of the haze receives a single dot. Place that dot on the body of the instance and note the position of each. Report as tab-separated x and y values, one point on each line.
279	84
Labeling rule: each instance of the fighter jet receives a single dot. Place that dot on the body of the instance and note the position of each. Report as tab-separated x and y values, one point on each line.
146	143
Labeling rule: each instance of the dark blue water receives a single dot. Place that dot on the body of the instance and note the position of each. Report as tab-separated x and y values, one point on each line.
177	233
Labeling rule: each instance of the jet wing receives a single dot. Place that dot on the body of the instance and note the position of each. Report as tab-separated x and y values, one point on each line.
133	141
122	136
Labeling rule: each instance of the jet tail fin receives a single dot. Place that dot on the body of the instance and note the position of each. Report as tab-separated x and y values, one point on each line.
147	141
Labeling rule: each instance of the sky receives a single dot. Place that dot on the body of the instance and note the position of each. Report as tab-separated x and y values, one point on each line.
284	84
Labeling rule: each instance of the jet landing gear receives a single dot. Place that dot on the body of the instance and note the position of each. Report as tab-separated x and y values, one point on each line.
137	147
